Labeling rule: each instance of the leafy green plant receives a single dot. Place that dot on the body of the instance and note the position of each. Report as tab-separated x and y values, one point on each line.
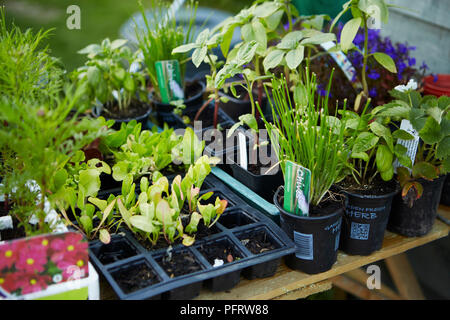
430	118
109	77
159	210
43	138
362	11
309	136
160	37
140	152
27	70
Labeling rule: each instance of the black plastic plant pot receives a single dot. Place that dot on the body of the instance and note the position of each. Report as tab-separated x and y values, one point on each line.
365	222
129	257
118	121
194	91
445	196
417	220
264	185
260	241
316	238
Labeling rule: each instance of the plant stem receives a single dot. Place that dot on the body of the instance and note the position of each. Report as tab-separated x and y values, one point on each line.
197	115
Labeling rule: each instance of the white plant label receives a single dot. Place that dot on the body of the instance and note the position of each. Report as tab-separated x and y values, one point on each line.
410	145
343	62
242	151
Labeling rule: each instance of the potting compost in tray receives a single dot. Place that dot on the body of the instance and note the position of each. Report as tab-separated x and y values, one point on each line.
243	241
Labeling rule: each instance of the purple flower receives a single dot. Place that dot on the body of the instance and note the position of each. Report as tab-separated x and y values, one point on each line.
373	92
373	75
424	66
411	61
435	77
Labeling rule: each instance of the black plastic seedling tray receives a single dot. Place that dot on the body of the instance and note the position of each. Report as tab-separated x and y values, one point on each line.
126	254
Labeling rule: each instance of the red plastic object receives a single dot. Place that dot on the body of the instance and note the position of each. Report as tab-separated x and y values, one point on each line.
438	85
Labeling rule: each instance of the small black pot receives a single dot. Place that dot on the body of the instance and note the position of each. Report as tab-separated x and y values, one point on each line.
316	238
164	111
118	122
419	219
445	196
365	221
264	185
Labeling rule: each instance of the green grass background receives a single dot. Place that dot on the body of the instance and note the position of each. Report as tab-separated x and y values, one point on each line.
99	19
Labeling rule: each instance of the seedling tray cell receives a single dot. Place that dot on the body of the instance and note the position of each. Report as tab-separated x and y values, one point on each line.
238	222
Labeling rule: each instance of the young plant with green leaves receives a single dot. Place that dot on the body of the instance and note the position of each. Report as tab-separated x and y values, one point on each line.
307	135
159	209
27	70
110	78
141	152
363	12
43	138
161	34
430	118
203	47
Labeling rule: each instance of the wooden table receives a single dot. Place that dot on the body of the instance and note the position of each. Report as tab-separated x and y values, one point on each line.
345	274
290	284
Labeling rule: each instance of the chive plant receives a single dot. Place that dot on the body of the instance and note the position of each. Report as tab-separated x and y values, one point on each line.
307	135
160	37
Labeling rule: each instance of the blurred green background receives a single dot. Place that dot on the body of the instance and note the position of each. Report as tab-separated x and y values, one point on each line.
99	19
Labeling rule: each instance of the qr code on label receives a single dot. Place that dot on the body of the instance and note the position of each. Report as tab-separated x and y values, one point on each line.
360	231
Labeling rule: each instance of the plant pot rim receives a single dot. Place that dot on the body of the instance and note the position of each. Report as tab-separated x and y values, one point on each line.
439	84
309	218
246	170
194	97
120	120
370	196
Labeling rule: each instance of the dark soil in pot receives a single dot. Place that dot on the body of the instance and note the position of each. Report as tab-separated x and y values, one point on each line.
118	249
316	236
417	220
222	250
178	264
258	241
261	178
366	215
137	110
135	277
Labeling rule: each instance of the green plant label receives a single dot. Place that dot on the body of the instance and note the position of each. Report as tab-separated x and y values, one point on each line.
169	80
297	185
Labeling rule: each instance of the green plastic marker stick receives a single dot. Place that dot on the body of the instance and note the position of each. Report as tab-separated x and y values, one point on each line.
297	187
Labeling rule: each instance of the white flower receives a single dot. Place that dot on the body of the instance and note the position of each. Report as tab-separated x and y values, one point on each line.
412	85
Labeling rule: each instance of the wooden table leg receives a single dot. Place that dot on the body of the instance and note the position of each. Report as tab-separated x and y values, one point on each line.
404	278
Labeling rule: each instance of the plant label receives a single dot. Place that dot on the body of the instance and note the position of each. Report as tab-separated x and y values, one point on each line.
343	62
411	145
242	151
297	185
169	80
